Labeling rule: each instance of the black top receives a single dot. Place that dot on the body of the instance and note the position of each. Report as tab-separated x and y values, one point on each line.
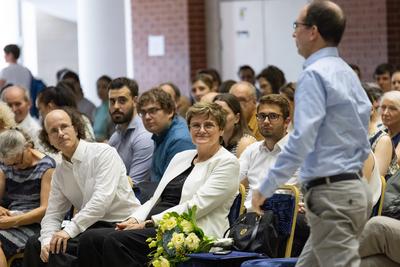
171	196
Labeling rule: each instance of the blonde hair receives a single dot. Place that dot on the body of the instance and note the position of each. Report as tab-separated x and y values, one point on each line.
6	117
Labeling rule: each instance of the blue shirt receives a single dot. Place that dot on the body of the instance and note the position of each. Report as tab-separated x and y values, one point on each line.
102	125
330	123
173	140
135	147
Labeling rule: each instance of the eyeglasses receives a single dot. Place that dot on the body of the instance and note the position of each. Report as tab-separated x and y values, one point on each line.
271	116
150	111
207	126
297	24
63	128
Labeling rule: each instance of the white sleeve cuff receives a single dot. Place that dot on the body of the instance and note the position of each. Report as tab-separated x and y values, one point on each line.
72	229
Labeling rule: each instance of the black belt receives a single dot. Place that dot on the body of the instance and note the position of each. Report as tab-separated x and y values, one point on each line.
331	179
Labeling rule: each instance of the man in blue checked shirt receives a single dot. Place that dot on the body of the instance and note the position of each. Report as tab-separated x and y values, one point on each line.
329	142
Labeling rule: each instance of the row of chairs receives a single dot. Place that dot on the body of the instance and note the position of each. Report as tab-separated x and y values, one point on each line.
291	262
284	204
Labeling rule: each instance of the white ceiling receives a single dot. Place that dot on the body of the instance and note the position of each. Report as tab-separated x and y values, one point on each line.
65	9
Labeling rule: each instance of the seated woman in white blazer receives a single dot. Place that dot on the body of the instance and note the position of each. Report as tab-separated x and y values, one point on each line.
207	177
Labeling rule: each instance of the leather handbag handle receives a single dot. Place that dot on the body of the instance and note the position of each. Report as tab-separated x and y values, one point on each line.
234	224
254	233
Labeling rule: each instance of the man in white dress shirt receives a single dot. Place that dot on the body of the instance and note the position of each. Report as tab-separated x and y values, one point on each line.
273	117
91	178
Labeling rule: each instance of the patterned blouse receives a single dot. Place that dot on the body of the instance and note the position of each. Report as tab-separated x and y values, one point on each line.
374	139
22	190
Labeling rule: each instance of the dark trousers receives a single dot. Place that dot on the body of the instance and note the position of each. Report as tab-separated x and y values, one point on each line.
107	247
33	248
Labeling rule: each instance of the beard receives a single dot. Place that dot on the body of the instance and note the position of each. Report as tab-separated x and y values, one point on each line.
121	118
276	133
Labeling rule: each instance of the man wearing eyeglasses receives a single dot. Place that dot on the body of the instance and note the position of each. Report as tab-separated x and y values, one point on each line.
273	119
170	133
132	141
329	142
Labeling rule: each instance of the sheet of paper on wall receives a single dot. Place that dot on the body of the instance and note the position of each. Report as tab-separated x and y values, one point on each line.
156	44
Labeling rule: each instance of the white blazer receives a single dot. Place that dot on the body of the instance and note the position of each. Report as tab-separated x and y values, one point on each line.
211	186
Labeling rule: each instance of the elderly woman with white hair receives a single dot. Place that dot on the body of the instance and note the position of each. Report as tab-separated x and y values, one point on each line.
25	176
390	112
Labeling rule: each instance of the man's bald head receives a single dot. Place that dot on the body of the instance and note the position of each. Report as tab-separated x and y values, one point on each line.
54	115
17	98
59	123
245	92
244	87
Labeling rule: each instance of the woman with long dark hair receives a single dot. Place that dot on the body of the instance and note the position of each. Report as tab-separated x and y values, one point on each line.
237	135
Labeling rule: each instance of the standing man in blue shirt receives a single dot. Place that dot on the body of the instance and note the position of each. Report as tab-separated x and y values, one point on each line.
329	142
170	131
132	141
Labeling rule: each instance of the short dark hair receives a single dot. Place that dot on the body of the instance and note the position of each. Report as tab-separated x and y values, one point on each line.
104	78
120	82
278	100
384	68
77	122
274	76
329	21
59	96
157	95
12	49
226	86
72	77
69	74
246	67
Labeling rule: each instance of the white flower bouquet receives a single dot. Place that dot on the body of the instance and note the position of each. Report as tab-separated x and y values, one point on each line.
177	236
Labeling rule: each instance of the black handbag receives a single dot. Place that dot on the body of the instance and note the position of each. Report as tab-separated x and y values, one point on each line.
256	233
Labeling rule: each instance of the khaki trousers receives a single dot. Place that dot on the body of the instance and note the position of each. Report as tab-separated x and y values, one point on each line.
380	242
336	213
